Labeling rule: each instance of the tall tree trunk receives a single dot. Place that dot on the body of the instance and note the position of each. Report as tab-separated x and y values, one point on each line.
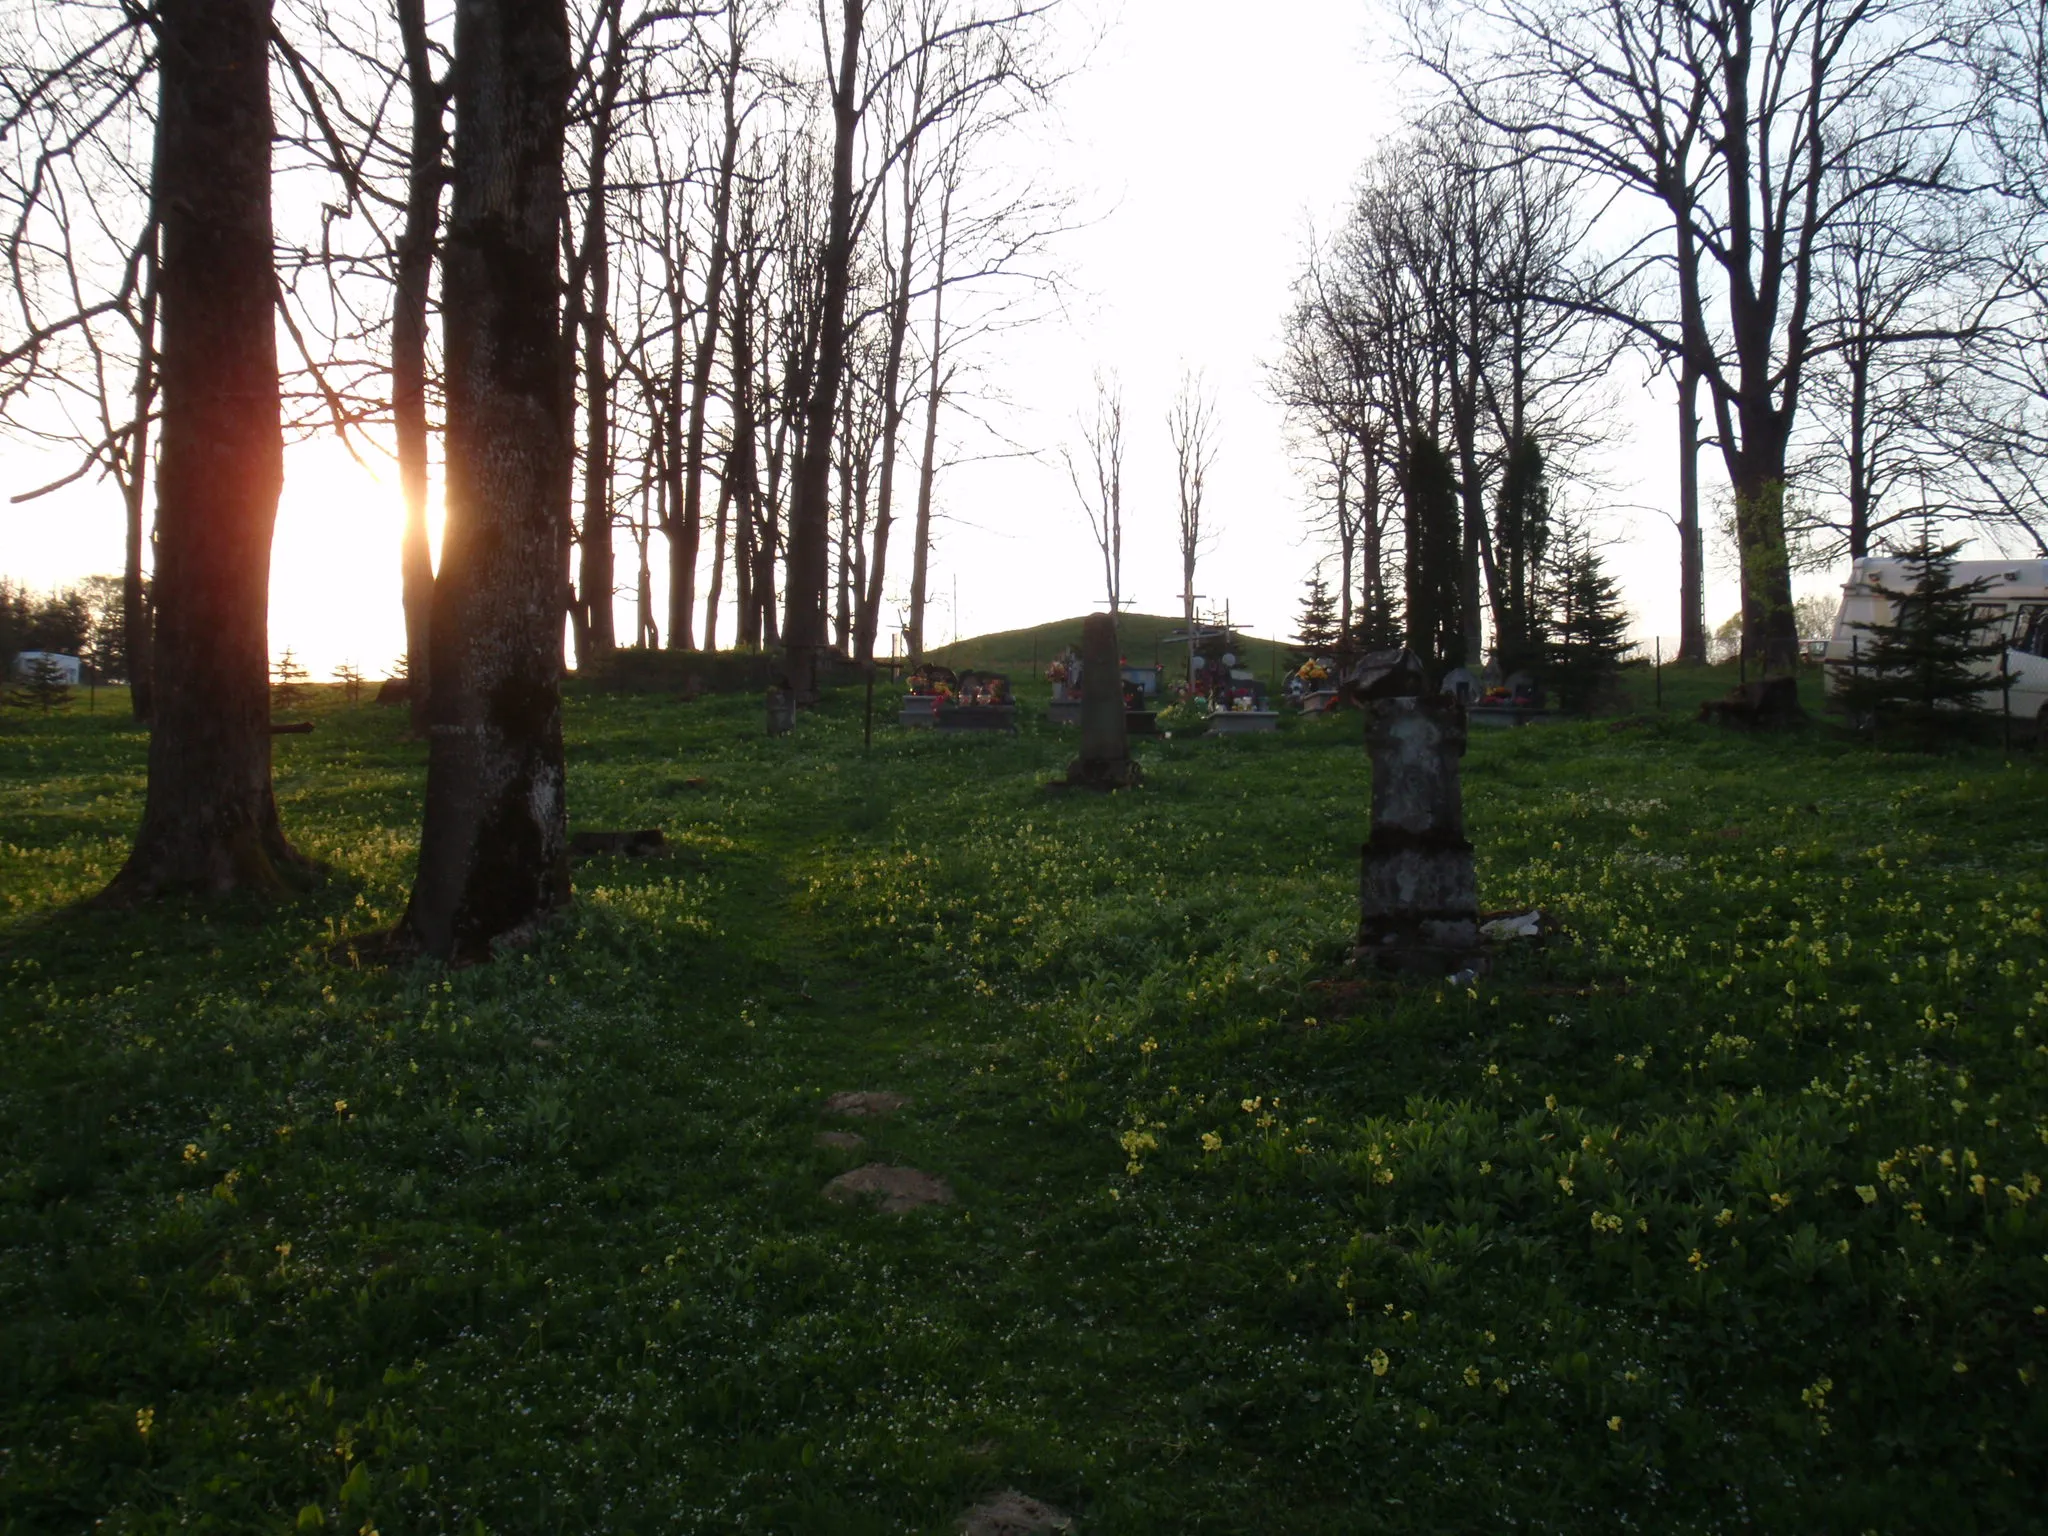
1692	548
810	516
209	818
645	634
494	844
1770	627
135	608
717	591
1372	527
425	173
742	467
1859	452
870	619
682	574
1347	544
1692	571
927	470
597	633
849	537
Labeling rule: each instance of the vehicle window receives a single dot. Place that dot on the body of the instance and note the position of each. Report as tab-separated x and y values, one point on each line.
2032	632
1991	623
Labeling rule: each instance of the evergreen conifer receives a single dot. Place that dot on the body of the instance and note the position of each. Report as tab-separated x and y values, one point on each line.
288	681
1585	625
1435	628
42	686
1315	626
1917	671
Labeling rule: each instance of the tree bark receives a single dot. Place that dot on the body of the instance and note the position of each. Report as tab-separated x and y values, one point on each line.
425	174
209	818
494	843
810	520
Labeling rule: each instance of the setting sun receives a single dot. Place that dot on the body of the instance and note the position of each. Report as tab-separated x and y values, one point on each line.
334	594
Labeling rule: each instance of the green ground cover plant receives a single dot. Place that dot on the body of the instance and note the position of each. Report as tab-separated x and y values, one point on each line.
1721	1212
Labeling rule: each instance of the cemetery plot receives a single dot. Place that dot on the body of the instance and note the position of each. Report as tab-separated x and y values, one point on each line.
939	698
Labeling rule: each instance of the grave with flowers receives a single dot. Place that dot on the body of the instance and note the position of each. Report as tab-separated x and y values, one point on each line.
925	689
1142	686
978	701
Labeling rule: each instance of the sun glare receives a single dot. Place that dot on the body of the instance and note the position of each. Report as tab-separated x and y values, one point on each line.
334	584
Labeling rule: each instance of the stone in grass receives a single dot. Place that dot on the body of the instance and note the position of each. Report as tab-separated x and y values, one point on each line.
1011	1513
863	1105
842	1141
894	1190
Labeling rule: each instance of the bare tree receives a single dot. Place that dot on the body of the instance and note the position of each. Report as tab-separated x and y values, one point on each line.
494	842
934	395
1907	299
209	817
426	177
1437	309
1191	424
739	20
78	238
1738	122
858	77
1099	483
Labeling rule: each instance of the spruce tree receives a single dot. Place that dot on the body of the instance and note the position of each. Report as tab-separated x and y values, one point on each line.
289	684
1585	626
1435	628
1315	626
1917	671
42	686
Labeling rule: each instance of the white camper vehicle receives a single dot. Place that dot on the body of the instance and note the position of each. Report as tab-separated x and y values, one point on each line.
2013	610
68	667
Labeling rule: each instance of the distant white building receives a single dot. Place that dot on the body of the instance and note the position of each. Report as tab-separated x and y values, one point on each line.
25	665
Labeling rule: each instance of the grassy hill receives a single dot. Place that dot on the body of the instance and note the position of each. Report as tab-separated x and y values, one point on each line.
1023	653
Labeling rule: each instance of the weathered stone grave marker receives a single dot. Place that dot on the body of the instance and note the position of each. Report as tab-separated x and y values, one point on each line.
1418	901
1105	760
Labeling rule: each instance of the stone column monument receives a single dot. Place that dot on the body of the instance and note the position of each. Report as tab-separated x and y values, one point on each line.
1105	760
1418	906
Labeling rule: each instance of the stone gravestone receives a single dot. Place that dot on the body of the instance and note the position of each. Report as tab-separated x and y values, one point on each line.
1418	892
1105	760
781	710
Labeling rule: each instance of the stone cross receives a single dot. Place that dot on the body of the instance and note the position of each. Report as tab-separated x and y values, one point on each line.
1105	760
1418	893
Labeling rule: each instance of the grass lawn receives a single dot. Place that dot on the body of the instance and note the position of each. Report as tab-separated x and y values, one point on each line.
1725	1213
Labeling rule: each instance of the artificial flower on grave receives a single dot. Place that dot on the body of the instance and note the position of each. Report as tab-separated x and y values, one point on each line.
1057	672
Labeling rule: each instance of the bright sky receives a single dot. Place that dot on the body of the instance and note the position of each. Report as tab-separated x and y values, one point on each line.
1203	143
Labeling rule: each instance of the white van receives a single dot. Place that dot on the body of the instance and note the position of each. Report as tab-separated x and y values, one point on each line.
68	667
2013	609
